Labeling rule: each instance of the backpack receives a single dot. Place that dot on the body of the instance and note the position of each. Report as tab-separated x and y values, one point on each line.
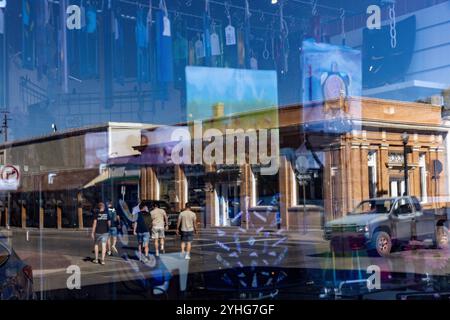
112	217
147	219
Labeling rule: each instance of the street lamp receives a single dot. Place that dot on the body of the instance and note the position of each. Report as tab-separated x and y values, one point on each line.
405	139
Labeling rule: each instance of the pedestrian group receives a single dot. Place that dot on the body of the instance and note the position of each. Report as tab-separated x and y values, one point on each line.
146	224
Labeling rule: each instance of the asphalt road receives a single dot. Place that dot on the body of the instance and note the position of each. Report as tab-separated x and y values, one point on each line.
224	263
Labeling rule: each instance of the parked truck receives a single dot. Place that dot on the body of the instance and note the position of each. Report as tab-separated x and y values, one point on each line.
383	225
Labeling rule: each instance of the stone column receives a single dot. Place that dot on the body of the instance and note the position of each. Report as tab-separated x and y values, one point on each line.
343	181
429	156
364	171
246	193
327	204
6	216
355	178
210	199
148	184
442	183
285	181
383	172
79	211
415	181
41	217
180	185
143	184
23	211
58	216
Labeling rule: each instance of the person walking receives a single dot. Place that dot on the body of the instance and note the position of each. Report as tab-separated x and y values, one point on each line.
160	223
140	229
100	232
187	223
114	223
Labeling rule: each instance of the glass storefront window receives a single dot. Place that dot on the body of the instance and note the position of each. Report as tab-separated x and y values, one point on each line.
272	121
266	188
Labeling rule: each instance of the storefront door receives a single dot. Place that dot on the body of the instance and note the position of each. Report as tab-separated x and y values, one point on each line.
229	204
397	187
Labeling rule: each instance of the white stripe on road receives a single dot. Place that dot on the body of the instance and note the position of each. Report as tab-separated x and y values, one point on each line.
240	242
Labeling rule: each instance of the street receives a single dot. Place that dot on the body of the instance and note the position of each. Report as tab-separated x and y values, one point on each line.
225	263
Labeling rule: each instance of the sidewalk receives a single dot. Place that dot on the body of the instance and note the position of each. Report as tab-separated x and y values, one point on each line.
311	235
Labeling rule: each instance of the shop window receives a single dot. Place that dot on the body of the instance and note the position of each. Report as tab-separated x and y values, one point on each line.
308	188
266	188
372	167
195	176
308	178
166	184
423	178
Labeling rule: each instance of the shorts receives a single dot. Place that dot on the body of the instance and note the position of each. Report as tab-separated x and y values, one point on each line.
158	233
102	237
113	232
143	238
187	236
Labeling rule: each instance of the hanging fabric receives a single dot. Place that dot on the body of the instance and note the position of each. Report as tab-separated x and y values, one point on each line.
91	19
164	53
107	47
230	48
216	49
118	46
284	42
151	38
247	35
207	33
28	33
191	57
199	49
2	21
230	31
141	33
88	43
241	48
343	34
63	63
41	39
46	12
180	52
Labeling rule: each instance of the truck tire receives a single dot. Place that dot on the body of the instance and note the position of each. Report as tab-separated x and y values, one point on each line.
441	240
381	244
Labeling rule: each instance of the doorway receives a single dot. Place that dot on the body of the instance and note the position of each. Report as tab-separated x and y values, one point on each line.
397	187
229	205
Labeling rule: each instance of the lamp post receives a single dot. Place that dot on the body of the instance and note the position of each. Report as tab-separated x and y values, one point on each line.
405	139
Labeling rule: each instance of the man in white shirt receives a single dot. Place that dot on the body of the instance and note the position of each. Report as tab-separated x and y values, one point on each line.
159	224
187	222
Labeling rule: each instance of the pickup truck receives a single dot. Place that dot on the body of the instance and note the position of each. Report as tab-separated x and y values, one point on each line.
382	225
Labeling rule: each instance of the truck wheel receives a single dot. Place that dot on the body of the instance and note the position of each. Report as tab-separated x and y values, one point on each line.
441	241
381	244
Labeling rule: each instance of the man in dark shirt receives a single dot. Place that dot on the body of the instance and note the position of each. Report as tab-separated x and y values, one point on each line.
100	231
140	229
114	222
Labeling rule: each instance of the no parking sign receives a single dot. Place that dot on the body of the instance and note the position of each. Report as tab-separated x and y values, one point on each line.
9	177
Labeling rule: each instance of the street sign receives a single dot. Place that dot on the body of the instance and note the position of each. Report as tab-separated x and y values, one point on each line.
9	177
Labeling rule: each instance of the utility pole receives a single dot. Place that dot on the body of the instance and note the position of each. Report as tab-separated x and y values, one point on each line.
4	127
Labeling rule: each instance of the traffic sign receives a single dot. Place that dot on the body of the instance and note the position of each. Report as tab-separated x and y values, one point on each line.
9	177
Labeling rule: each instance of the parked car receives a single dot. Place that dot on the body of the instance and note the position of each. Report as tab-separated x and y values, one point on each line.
16	277
383	224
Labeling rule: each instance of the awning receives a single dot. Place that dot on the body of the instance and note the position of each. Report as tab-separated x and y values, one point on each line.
113	174
98	179
56	180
